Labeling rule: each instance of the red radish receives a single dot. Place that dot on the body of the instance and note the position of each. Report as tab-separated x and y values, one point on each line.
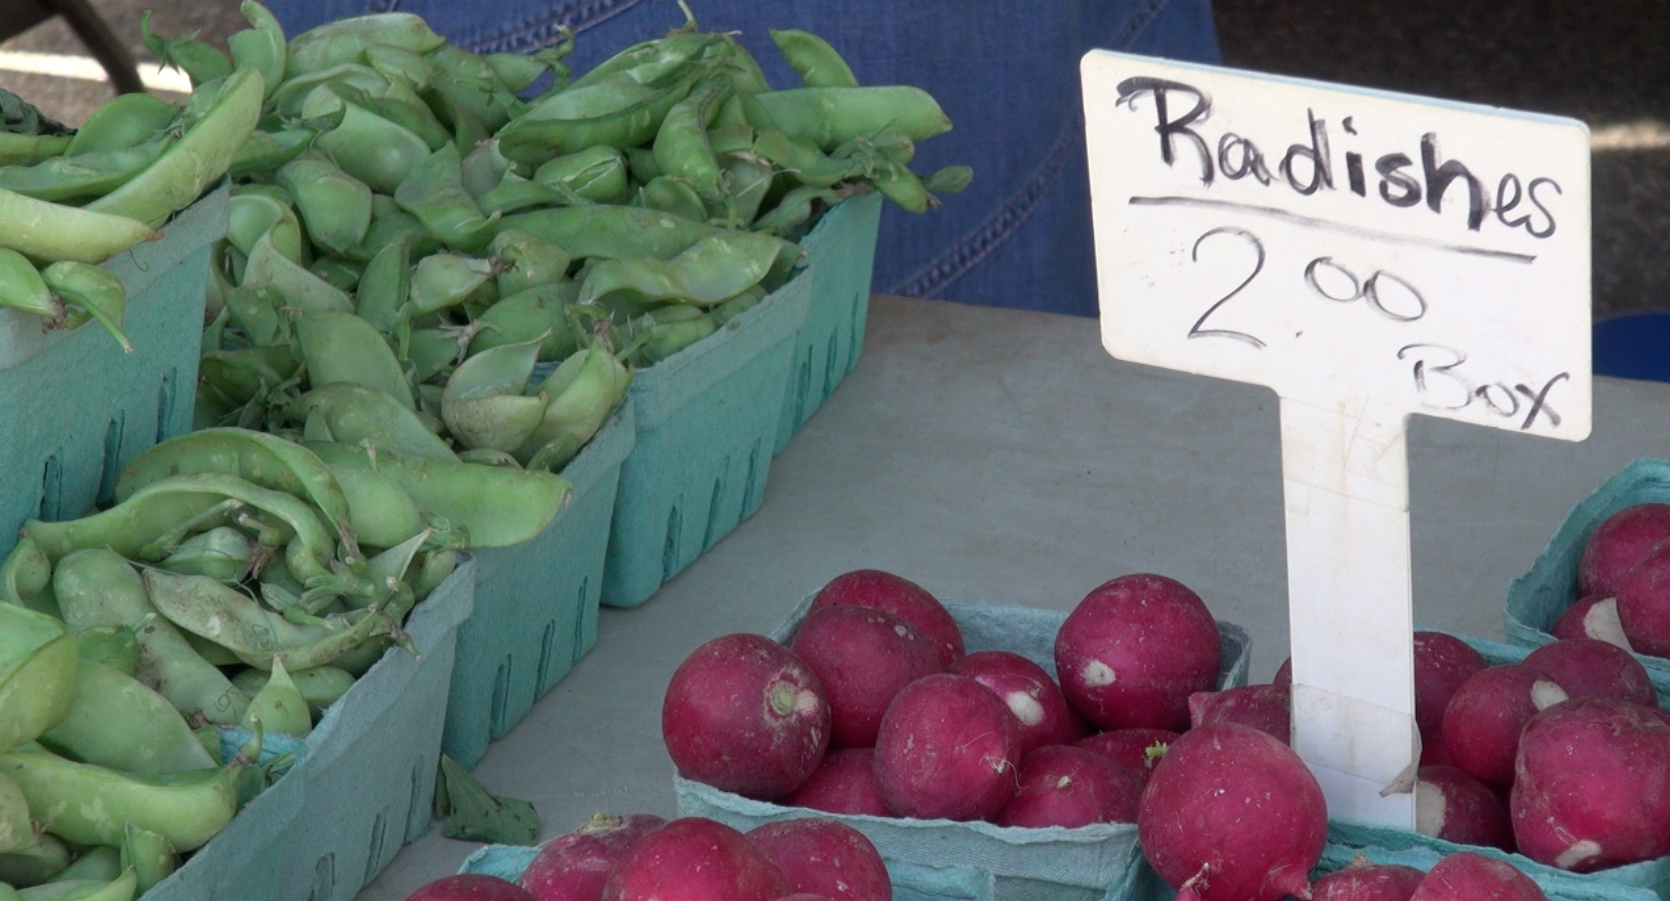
1037	702
1453	806
1465	876
862	657
1592	616
1284	673
1591	668
743	714
1134	649
1135	749
470	887
1061	785
573	867
1617	544
1483	719
1232	814
695	859
1365	881
947	750
900	597
1644	604
825	857
1592	786
1264	707
845	782
1442	663
1433	752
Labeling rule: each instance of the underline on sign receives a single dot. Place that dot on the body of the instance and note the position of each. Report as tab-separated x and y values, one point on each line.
1330	225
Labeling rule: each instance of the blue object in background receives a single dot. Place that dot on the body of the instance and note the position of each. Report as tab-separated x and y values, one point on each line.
1633	345
1006	72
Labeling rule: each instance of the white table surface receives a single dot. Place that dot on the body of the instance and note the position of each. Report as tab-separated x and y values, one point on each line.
1001	456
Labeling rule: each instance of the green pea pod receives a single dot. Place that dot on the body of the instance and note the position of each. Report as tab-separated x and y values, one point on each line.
525	261
38	661
610	231
367	146
583	390
261	46
432	568
803	161
794	209
121	888
264	152
483	405
949	180
517	71
355	413
201	61
26	571
36	864
681	146
27	150
467	129
384	515
288	101
116	721
431	352
247	374
403	107
595	175
344	40
830	116
469	81
818	64
385	284
23	288
727	137
632	114
514	193
342	347
90	291
641	164
748	179
114	646
320	686
714	269
651	61
886	144
16	833
434	192
493	505
279	706
340	271
44	230
249	216
221	553
390	223
88	804
334	206
76	178
100	863
483	168
674	196
228	617
445	280
201	155
151	856
900	185
744	69
528	314
667	339
301	289
400	63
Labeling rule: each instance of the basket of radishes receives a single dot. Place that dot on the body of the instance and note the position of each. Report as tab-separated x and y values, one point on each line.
941	732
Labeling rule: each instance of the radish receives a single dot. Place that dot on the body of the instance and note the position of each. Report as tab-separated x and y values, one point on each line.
1134	649
1232	814
1482	722
1034	698
573	867
470	887
900	597
1061	785
862	657
1592	785
1465	876
845	782
1268	708
743	714
1134	749
695	859
1284	673
1644	604
947	750
1442	663
1617	544
1592	616
1591	668
1453	806
1362	880
825	857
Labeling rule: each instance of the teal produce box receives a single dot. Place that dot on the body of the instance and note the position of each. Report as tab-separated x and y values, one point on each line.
979	861
362	786
75	409
536	603
1537	598
841	249
707	421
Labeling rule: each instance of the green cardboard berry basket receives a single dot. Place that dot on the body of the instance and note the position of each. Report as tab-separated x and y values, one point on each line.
980	861
1537	598
536	603
362	786
841	249
707	421
75	408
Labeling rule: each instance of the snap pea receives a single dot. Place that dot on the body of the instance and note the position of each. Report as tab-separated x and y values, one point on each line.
746	74
22	288
150	855
400	63
610	230
27	150
247	374
38	659
729	137
221	553
340	271
443	280
89	291
668	338
803	161
385	284
747	181
100	863
355	413
334	206
641	165
818	64
118	722
949	180
528	314
738	305
301	289
232	619
383	514
52	231
390	223
264	151
265	460
434	192
633	116
367	146
469	81
320	686
279	706
288	101
261	46
525	260
885	143
900	185
114	646
482	403
36	864
830	116
201	155
26	571
483	168
681	147
596	174
650	62
714	269
72	178
202	62
583	390
795	209
344	40
16	833
514	192
342	347
516	71
432	351
118	888
122	121
467	128
673	196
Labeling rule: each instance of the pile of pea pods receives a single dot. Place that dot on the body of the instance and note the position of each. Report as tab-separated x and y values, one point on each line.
72	201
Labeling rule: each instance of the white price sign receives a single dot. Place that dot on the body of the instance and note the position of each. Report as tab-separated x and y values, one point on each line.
1368	256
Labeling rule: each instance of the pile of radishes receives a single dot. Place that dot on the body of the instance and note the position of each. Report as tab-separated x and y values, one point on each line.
1623	583
873	707
642	857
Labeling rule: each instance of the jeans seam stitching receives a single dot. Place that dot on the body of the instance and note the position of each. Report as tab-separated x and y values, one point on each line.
539	32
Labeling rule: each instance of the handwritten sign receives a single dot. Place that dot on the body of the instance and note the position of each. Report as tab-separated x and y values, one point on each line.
1368	256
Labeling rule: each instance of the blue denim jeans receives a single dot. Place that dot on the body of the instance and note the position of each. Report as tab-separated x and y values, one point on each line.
1005	71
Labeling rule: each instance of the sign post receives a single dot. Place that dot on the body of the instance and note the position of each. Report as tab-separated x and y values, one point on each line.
1368	256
